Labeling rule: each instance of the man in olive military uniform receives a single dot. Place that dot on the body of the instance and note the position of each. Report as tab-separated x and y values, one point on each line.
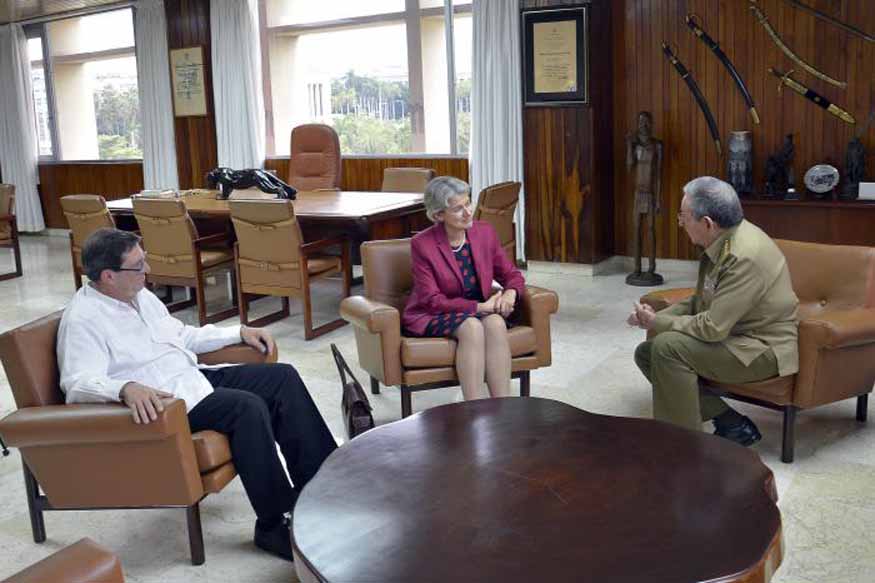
739	327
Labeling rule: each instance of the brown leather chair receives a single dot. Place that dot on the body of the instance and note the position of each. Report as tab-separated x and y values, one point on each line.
9	228
178	256
272	259
314	163
497	205
418	364
85	214
94	456
406	179
84	561
836	289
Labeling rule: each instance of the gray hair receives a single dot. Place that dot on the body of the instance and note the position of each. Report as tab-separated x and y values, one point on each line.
439	191
711	197
105	249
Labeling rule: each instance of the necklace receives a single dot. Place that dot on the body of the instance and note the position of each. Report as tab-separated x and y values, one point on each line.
462	244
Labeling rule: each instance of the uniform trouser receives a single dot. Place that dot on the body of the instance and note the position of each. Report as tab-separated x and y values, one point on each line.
258	406
673	363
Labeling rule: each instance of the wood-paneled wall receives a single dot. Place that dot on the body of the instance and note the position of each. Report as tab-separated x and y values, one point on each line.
111	180
645	80
367	173
188	25
568	160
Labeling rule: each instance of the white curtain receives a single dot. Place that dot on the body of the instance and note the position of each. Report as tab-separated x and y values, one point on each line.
237	90
18	147
156	106
496	152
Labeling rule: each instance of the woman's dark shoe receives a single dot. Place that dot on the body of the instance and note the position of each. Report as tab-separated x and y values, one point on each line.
276	540
743	433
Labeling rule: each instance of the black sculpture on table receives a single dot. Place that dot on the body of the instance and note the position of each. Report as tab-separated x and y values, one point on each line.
855	169
779	173
230	180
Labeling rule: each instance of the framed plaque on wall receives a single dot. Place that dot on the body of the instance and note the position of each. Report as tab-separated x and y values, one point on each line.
556	56
189	90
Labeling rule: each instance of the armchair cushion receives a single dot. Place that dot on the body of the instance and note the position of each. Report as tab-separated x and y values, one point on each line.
82	562
432	352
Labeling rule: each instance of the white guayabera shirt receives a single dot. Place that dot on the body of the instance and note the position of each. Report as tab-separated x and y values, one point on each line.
104	343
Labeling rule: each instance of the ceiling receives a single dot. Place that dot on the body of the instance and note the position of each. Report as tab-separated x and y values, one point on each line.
15	10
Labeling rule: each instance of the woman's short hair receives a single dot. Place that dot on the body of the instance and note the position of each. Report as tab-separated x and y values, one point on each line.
712	197
105	249
439	191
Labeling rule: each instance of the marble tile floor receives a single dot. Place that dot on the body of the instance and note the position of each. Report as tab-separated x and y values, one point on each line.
826	495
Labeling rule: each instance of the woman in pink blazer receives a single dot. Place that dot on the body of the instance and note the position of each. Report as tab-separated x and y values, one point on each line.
454	263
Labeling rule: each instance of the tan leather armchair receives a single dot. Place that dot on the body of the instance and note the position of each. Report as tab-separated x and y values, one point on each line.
417	364
9	228
835	285
179	256
497	205
406	179
314	162
94	456
272	259
84	561
85	214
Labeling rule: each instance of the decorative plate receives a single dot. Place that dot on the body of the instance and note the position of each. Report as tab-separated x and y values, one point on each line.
821	178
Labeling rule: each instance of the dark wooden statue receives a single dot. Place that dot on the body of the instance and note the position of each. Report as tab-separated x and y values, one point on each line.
230	180
779	177
855	169
644	159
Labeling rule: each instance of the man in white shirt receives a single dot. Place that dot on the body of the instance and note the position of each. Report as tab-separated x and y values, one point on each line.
117	342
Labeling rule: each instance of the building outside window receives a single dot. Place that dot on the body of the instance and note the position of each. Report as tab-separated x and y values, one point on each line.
376	71
87	105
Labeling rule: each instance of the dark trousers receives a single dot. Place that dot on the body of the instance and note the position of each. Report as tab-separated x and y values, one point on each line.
258	406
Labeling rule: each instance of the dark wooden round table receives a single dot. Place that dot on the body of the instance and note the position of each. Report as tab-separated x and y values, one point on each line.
528	489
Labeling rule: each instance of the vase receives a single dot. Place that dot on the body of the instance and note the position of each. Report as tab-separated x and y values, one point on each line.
739	166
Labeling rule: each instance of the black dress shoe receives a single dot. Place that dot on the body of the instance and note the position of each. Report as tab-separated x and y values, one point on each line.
743	433
276	540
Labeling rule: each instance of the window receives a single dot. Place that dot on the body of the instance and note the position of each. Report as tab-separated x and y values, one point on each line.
84	73
376	71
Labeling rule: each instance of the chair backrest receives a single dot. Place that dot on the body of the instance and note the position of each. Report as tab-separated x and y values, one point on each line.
406	179
168	236
268	243
314	162
497	206
31	363
830	276
7	207
386	266
85	214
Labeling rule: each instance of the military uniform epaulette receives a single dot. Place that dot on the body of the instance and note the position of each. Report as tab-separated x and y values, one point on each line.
727	249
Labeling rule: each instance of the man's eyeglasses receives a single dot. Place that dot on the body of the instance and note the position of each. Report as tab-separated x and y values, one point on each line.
140	269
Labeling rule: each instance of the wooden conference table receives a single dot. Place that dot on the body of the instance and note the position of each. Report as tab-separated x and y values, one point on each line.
528	489
364	215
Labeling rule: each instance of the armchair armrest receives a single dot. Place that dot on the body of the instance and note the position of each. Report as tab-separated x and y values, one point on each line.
377	329
82	561
374	317
538	302
240	353
308	248
214	239
663	298
838	329
537	306
79	424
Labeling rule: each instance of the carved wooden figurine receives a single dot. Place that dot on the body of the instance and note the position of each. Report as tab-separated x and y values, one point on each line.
644	160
